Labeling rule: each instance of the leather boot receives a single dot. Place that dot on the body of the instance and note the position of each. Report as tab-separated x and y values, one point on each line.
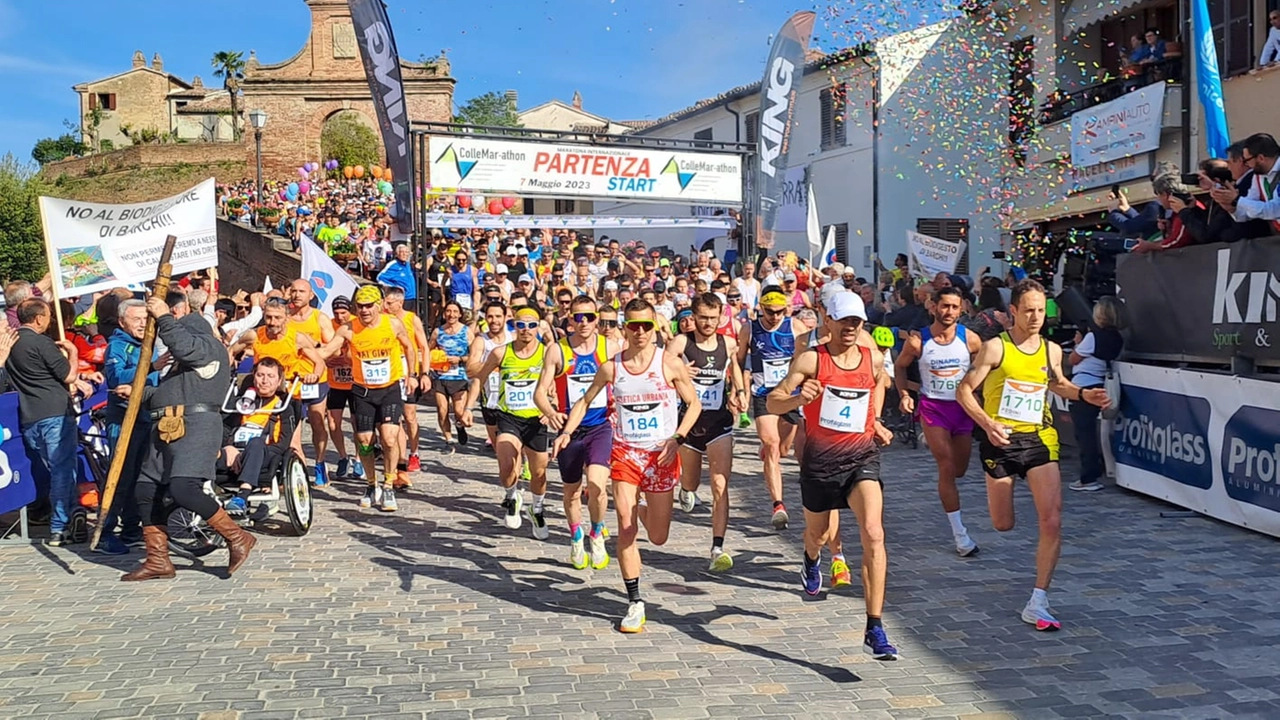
239	542
157	566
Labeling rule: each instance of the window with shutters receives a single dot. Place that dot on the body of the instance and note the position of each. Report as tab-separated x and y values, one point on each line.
842	242
105	101
752	122
831	102
1232	22
705	136
565	207
954	230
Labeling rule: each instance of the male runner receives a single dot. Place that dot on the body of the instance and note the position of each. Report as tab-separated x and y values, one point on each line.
393	304
316	325
944	351
495	335
723	394
570	366
1018	367
648	384
379	346
520	426
842	394
769	343
339	397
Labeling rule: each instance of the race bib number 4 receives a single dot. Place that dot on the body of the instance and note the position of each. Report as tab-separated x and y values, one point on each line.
376	371
519	395
775	371
641	423
1022	401
577	387
844	409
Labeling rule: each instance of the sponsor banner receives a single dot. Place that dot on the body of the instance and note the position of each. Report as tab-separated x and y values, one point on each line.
1126	126
564	222
17	488
783	72
1224	301
599	171
98	246
929	256
1134	167
792	213
1204	441
382	68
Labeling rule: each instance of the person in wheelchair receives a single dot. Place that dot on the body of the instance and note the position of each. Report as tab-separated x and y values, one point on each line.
257	438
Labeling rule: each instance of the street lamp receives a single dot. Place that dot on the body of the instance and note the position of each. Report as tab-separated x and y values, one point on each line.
258	119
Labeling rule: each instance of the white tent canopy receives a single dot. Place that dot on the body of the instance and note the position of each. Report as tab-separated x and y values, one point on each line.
453	221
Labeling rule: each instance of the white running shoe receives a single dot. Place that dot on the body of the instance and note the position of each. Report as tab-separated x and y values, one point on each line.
634	621
599	555
721	561
538	523
372	496
1037	613
965	546
512	518
578	554
688	499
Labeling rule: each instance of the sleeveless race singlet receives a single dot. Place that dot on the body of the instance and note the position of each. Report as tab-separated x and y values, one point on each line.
942	366
283	350
710	372
727	328
462	285
377	357
519	380
255	423
340	375
493	386
770	356
407	319
454	345
645	406
1015	392
576	377
311	328
840	422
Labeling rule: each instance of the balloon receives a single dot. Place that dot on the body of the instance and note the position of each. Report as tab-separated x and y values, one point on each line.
284	195
302	171
478	200
464	201
508	203
359	170
495	207
304	187
377	172
348	171
386	174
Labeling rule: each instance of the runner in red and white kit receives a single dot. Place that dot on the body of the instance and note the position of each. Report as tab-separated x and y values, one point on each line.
842	395
648	385
944	351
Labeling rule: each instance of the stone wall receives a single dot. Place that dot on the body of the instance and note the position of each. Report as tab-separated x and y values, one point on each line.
246	256
229	156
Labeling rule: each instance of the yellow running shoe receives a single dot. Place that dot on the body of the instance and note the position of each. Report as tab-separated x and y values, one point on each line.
840	575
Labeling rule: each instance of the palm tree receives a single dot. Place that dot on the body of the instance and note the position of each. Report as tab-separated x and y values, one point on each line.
230	67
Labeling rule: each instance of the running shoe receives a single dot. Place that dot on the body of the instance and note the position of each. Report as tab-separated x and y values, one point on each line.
58	539
415	463
358	468
811	579
634	621
322	475
1082	486
372	496
780	518
578	554
524	472
344	465
538	522
876	644
512	518
463	437
688	499
111	545
132	538
236	507
1037	613
744	420
721	561
389	500
402	481
840	575
599	555
965	546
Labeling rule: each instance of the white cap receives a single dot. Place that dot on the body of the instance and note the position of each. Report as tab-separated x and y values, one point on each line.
525	279
500	269
846	305
837	267
521	250
610	285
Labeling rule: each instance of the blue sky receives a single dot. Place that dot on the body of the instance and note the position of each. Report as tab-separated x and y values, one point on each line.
630	59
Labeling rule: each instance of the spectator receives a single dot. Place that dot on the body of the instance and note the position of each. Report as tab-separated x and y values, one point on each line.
42	376
1175	197
1242	176
1092	358
1211	224
399	273
18	291
1131	223
1259	155
1271	51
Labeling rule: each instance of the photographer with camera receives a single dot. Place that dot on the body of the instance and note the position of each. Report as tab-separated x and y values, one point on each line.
1176	197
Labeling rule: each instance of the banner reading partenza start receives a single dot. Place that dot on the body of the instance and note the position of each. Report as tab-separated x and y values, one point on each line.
96	246
530	168
1205	303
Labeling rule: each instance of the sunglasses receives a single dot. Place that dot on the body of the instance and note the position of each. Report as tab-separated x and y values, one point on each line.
366	306
767	311
584	317
608	324
526	324
493	298
734	298
639	326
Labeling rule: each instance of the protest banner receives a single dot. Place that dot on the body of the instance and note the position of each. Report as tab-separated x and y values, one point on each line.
99	246
929	256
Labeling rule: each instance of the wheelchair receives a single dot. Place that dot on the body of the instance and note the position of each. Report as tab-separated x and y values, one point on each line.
283	488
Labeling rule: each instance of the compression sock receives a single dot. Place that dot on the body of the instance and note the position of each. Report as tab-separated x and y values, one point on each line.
633	589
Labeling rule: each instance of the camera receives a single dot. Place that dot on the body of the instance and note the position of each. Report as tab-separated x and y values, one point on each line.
1191	179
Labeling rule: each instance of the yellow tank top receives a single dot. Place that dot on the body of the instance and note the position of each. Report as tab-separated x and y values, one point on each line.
283	350
311	328
406	318
1015	393
519	378
377	359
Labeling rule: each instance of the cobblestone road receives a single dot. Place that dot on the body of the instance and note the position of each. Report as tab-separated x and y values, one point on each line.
438	611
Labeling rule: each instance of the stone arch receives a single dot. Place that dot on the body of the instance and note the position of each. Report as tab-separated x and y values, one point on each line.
326	112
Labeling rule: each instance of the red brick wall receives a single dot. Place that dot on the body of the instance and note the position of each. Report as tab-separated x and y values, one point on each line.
245	257
144	156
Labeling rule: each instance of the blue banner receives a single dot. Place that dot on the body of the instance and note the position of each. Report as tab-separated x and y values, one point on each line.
17	486
1217	136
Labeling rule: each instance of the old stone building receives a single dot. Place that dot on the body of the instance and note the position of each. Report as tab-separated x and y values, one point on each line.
137	98
325	79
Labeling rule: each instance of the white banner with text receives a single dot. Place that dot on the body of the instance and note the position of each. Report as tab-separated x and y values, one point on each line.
1125	126
929	256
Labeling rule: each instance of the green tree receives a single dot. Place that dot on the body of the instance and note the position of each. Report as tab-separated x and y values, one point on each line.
491	109
92	121
349	141
229	66
51	149
21	239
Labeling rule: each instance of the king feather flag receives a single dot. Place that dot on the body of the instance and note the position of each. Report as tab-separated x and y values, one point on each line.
782	75
382	68
327	278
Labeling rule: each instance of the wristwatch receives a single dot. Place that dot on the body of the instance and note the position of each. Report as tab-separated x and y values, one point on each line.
678	438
